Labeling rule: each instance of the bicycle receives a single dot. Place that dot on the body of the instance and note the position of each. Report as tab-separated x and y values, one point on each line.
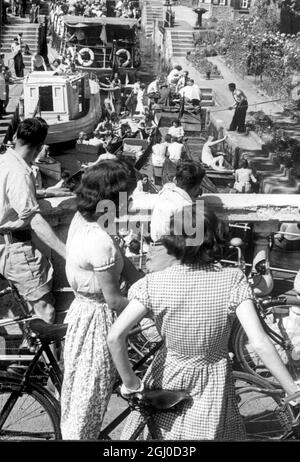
273	313
27	409
267	413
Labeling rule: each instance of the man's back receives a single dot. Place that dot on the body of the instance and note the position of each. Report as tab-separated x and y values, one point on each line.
175	151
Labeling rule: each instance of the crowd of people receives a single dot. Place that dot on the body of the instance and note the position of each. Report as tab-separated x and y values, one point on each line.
178	290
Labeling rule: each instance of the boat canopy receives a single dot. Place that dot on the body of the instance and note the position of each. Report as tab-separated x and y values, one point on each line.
56	97
82	21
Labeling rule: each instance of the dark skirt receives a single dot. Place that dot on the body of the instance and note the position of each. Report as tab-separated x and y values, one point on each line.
19	65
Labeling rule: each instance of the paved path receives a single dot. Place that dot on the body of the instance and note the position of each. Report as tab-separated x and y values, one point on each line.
223	97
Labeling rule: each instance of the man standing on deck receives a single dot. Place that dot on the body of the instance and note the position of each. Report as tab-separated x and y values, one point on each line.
20	260
240	106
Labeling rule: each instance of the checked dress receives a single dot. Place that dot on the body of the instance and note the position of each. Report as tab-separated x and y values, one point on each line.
193	306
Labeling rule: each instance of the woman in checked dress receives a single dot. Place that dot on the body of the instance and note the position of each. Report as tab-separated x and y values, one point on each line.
94	265
194	303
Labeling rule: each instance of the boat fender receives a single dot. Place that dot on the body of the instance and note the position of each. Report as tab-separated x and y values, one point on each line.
85	62
121	51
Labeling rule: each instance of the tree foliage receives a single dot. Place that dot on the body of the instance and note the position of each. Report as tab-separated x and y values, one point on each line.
254	45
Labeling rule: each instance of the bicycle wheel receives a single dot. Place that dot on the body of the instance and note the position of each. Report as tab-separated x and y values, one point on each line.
32	417
264	416
248	359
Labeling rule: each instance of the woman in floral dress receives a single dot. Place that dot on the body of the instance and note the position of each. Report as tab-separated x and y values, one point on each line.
194	303
94	265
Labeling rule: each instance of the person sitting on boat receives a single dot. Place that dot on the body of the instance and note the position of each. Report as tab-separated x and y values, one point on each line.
182	191
150	125
176	130
98	140
192	93
175	150
244	178
164	95
158	157
82	138
207	157
38	63
104	127
153	90
174	75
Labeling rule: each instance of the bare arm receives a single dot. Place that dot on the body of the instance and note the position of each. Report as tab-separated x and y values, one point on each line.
217	141
110	284
116	340
263	346
46	234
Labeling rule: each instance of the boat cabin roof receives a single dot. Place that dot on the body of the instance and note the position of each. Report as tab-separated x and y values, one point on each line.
82	21
51	77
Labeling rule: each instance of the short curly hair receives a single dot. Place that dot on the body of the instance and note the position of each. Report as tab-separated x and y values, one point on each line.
215	235
104	181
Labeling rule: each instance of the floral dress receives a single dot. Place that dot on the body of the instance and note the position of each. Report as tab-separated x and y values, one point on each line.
89	372
194	306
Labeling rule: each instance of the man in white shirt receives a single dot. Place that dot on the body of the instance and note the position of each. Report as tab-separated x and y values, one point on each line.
175	150
207	157
172	199
191	92
153	87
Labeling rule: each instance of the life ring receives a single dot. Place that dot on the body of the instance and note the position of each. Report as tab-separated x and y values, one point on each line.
81	57
128	56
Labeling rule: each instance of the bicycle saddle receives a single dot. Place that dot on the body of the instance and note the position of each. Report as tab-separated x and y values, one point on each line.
164	399
48	332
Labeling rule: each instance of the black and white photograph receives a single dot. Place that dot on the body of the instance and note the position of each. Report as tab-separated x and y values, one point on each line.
149	224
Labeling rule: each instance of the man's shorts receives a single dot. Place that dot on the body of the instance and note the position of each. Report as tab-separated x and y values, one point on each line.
30	271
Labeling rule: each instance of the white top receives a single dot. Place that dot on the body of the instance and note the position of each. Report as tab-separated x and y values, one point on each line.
191	92
175	150
177	132
207	156
172	199
90	250
173	76
158	154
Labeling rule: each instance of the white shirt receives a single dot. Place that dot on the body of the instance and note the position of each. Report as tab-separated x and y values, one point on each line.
172	199
175	150
158	154
153	87
191	92
173	76
207	156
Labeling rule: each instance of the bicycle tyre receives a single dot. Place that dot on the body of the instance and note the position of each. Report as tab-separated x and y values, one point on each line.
249	361
33	416
264	416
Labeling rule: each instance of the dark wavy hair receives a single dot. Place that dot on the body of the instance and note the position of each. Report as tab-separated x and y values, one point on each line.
215	235
32	131
104	182
189	174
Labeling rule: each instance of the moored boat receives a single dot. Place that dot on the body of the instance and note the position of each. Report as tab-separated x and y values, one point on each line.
70	103
100	45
